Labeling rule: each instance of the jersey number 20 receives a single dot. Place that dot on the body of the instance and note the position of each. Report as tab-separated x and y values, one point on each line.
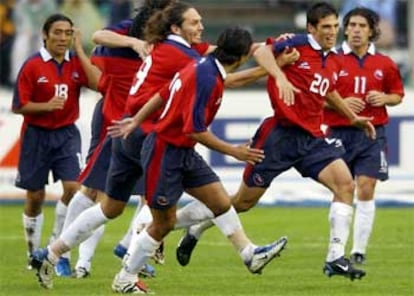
319	85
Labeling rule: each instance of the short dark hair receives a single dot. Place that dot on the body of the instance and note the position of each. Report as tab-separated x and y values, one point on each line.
371	16
53	19
232	45
318	11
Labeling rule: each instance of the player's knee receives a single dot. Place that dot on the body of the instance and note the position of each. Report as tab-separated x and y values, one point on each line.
112	208
89	192
69	190
366	189
160	229
35	200
242	206
344	190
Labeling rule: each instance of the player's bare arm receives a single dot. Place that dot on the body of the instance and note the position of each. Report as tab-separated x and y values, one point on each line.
265	58
111	39
354	103
379	99
240	152
363	122
55	103
92	72
124	127
244	77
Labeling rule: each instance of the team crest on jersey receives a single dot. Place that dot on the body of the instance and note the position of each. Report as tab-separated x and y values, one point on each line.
75	75
378	74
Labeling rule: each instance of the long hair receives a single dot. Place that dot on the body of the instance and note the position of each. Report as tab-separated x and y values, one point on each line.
159	25
232	45
144	13
318	11
371	17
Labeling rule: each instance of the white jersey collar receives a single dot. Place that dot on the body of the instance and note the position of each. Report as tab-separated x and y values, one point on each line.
178	39
315	45
347	49
46	56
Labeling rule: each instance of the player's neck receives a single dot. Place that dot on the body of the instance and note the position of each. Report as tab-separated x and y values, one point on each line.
360	51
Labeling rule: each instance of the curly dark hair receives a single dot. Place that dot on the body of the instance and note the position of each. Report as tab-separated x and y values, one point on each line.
143	15
371	16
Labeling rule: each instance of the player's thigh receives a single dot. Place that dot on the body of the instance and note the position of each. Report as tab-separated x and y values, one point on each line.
337	177
213	195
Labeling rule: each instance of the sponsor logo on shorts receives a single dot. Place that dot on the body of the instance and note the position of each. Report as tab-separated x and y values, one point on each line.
162	200
258	180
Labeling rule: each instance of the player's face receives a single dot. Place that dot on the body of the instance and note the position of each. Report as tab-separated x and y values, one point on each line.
192	27
358	32
326	31
59	38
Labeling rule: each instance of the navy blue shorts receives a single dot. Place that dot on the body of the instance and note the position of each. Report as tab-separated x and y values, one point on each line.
364	156
287	147
43	151
96	128
125	168
169	170
95	172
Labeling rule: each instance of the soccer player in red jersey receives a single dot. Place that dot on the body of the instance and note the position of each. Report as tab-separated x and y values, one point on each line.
293	138
183	23
117	66
172	165
173	30
47	95
369	82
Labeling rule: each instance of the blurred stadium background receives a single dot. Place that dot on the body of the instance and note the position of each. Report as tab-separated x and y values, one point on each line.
21	21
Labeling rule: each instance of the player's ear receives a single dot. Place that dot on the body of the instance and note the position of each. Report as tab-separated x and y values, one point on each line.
176	29
310	28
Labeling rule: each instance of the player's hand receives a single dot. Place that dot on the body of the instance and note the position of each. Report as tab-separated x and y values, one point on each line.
121	128
284	36
365	123
141	47
287	57
77	37
56	103
286	89
250	155
376	98
355	104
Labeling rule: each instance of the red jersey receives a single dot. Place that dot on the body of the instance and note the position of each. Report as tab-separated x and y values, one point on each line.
165	60
118	66
358	76
314	74
40	79
192	100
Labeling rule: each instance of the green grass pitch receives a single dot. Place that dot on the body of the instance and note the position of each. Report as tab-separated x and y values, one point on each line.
216	269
